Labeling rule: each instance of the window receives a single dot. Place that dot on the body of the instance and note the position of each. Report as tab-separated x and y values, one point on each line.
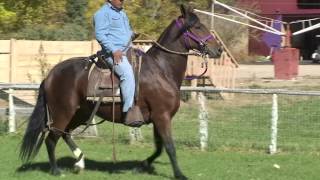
309	4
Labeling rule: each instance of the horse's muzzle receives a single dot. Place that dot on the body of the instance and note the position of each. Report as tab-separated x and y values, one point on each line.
215	53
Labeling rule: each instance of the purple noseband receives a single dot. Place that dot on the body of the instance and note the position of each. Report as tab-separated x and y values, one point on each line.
188	34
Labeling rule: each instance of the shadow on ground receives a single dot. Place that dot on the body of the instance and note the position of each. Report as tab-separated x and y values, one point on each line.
92	165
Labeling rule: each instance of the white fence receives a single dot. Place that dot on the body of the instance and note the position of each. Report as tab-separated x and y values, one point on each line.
255	115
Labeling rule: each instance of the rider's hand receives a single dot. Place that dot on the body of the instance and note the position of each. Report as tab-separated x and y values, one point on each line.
117	56
135	35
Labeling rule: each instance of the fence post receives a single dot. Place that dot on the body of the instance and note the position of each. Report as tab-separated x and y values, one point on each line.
274	125
12	64
12	113
92	131
194	83
203	122
135	135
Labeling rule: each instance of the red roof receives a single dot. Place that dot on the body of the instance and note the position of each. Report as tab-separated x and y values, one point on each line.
289	7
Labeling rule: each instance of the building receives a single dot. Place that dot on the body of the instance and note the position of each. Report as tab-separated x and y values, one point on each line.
287	11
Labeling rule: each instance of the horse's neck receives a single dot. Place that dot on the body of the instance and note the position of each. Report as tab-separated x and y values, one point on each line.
173	65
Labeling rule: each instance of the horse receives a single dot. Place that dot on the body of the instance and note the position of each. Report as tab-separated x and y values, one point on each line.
62	94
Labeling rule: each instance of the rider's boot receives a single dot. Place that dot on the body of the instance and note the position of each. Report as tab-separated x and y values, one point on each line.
133	117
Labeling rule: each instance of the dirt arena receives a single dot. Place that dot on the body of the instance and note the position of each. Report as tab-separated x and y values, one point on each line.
262	76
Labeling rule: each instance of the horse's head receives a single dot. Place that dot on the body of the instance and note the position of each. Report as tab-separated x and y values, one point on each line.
196	35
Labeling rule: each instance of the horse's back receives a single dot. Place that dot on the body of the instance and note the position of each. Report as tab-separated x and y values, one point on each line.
72	64
67	79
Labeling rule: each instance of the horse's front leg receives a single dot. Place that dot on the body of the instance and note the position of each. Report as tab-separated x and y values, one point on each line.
79	165
163	125
158	145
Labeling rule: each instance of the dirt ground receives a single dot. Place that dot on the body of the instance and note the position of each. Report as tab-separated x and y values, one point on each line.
262	76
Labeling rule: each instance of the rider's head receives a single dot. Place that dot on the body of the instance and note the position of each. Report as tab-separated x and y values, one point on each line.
116	3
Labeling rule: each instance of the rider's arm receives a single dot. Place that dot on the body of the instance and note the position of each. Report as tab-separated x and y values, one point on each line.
102	24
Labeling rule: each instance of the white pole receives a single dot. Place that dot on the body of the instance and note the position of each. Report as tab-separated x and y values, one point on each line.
238	22
212	17
316	26
244	15
12	113
274	125
203	122
135	135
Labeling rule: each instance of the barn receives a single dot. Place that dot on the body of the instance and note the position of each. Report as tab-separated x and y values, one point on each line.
288	11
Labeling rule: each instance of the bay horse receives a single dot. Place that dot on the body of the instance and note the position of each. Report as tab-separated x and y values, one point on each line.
62	94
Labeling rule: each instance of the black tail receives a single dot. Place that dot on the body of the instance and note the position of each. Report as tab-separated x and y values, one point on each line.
31	142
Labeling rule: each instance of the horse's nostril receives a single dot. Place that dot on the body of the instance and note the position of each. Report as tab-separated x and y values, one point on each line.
220	50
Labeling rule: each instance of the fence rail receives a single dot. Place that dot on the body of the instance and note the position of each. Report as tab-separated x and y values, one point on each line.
274	108
251	91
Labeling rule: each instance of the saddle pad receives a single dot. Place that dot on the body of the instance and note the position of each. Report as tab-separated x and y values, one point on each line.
100	82
105	99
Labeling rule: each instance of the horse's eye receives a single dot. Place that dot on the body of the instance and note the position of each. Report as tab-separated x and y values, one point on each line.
197	27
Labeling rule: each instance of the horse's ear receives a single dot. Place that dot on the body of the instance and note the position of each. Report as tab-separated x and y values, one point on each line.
183	10
191	6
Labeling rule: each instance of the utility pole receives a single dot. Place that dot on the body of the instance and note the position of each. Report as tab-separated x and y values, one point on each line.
212	17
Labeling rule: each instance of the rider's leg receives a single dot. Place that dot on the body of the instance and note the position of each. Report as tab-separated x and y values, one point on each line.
132	114
127	81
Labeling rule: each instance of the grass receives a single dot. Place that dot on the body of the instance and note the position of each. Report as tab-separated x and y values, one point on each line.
239	136
195	164
244	123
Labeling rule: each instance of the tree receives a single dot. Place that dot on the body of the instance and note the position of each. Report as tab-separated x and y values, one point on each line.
7	18
75	11
72	19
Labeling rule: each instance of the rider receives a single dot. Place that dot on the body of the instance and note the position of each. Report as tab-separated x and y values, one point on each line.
114	34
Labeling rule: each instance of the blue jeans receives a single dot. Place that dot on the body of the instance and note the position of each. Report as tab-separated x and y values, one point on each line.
127	81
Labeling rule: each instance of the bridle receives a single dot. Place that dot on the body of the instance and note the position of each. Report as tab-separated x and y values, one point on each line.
189	35
201	41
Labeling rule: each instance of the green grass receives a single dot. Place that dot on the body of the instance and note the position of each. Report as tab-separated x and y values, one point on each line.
195	164
244	123
239	136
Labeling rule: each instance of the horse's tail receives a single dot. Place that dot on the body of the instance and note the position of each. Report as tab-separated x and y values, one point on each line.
32	140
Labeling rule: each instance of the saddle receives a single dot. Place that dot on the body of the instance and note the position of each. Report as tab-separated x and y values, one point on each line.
100	77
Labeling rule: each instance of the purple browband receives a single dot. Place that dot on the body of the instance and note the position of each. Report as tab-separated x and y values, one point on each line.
186	34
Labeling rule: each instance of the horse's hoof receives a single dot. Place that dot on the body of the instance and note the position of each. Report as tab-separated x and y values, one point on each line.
77	169
145	164
56	172
181	177
79	165
147	167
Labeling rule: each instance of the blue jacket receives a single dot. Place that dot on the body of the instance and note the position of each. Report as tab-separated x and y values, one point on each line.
112	28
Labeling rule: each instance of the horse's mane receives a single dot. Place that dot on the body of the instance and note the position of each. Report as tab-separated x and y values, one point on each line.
189	22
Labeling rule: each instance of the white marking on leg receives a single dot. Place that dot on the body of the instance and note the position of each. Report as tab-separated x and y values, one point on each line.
80	163
77	152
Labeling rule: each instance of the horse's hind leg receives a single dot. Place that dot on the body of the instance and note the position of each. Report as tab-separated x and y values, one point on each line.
51	142
79	165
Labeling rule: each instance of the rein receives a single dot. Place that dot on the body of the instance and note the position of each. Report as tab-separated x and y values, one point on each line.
203	73
183	53
189	35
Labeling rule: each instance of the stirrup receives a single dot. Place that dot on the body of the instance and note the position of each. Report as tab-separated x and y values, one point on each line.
134	117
